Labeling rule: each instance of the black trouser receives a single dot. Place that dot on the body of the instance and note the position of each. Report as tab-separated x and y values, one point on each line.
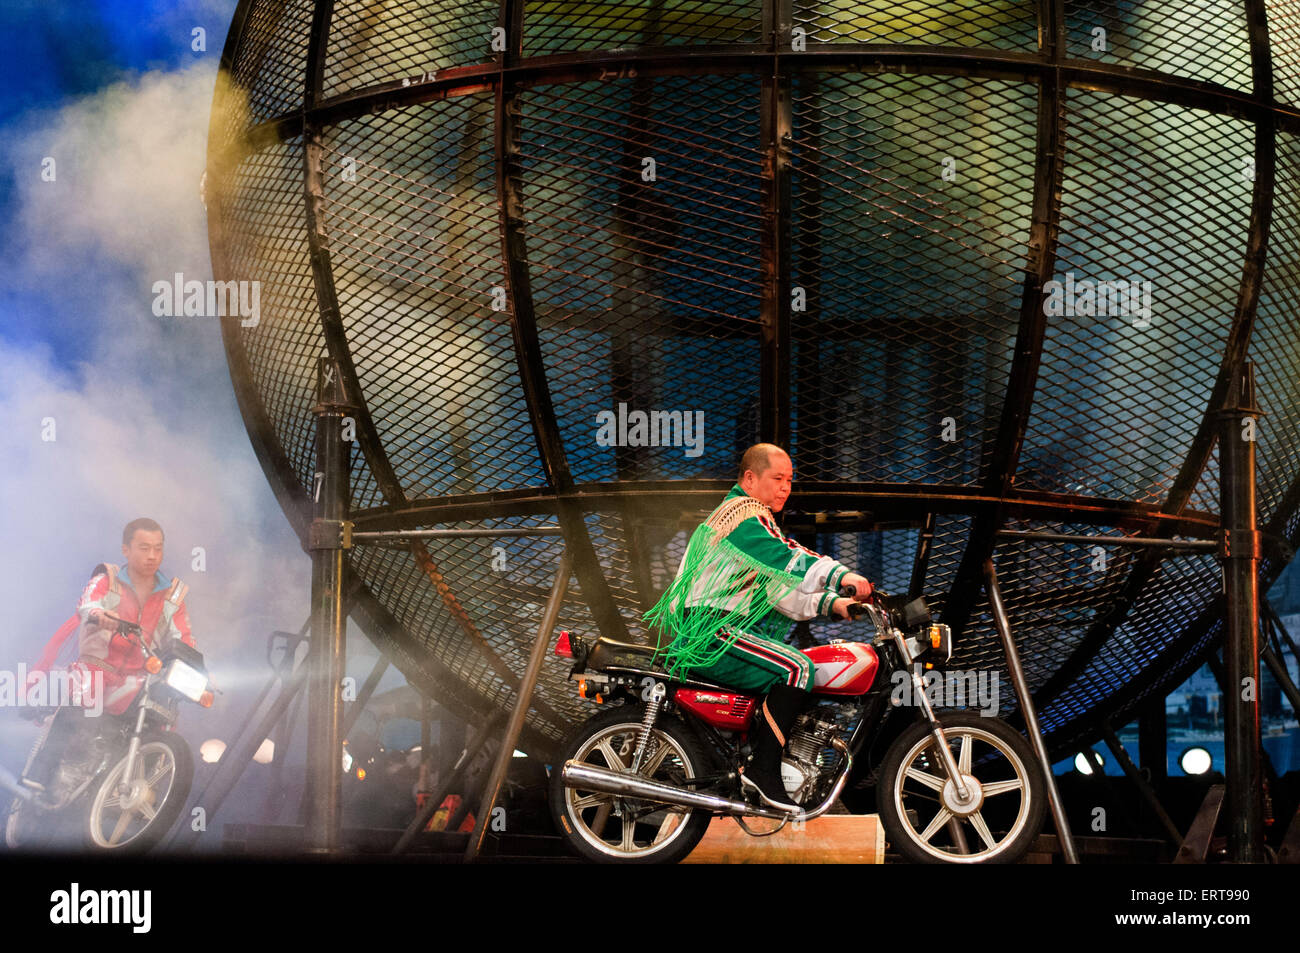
68	723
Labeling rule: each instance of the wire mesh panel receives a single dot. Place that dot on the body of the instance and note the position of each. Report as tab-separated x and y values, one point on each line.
1144	294
372	43
1011	24
415	245
1284	48
572	26
644	261
1197	39
1276	341
576	286
910	197
268	61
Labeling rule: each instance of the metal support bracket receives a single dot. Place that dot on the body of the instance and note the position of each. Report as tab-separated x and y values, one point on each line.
330	534
1241	544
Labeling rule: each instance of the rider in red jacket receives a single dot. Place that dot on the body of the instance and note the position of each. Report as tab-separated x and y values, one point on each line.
135	592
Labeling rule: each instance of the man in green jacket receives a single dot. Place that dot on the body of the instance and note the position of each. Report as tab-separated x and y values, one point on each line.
728	610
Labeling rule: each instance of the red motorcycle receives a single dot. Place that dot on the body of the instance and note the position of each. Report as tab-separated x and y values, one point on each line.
123	780
640	781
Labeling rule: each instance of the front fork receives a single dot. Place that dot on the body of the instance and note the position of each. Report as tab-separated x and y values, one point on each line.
132	750
936	729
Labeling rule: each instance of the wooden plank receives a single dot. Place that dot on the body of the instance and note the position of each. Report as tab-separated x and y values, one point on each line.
830	839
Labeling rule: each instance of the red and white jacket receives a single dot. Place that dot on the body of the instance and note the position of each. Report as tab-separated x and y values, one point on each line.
158	612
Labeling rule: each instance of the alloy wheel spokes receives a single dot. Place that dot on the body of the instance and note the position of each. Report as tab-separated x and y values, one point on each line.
1002	787
164	766
929	780
123	820
977	821
602	817
940	819
611	757
592	800
650	766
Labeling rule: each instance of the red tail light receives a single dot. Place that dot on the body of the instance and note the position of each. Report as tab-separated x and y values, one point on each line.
562	646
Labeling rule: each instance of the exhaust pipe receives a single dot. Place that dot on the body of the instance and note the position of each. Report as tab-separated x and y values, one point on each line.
589	777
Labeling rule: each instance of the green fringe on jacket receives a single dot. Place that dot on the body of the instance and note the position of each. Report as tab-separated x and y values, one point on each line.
728	591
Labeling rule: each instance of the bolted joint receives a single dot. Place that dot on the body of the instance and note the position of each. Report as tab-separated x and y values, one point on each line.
330	534
1240	544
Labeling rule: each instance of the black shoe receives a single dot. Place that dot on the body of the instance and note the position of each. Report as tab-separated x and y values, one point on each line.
767	737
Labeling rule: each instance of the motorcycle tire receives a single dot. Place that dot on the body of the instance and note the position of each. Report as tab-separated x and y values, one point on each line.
918	803
644	833
164	772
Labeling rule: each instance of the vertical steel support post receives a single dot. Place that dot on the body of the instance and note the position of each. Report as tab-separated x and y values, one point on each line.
522	699
324	695
1240	552
1027	709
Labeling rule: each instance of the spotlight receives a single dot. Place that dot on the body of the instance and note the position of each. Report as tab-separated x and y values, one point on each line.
212	750
1195	760
1089	762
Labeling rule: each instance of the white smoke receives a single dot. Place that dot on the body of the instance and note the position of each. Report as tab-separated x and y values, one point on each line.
144	421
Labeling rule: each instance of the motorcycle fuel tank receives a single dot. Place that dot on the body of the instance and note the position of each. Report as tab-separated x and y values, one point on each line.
843	668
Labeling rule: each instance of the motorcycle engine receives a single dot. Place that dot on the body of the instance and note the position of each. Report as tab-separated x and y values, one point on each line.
809	763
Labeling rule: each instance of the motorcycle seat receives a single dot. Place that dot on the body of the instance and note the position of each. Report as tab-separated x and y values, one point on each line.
607	653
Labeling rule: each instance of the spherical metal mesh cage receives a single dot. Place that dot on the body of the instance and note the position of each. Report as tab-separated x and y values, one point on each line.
834	225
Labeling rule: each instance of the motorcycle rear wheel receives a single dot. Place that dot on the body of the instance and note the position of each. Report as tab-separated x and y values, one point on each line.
136	821
918	803
606	828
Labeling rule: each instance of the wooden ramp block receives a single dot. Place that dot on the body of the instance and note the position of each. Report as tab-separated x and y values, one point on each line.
830	839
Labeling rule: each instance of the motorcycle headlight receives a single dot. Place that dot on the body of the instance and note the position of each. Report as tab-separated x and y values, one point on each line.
185	680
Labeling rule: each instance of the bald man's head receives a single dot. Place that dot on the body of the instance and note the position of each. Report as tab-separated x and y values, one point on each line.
766	474
759	458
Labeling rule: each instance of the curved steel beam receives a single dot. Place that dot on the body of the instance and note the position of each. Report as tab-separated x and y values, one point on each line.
1022	378
1235	351
658	500
528	353
340	349
776	133
678	61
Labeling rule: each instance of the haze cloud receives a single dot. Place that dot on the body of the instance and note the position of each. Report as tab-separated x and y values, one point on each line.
147	425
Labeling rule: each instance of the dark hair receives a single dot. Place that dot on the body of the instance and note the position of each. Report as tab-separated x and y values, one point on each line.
144	523
757	458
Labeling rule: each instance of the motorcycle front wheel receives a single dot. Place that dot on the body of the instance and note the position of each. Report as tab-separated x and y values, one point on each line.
607	828
925	818
134	820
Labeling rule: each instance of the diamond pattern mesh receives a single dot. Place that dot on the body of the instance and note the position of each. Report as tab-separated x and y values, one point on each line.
1127	368
645	290
379	42
910	198
1196	39
1005	25
566	26
415	242
639	210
